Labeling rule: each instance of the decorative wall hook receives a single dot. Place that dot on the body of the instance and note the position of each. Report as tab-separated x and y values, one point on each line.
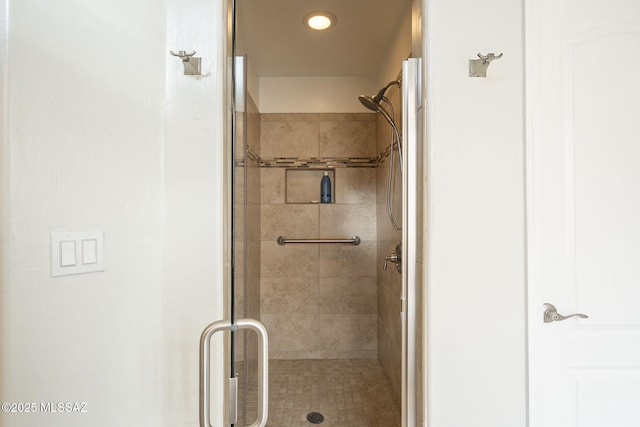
191	64
478	67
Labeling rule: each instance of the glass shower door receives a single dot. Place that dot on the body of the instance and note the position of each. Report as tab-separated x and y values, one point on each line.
238	344
246	249
248	351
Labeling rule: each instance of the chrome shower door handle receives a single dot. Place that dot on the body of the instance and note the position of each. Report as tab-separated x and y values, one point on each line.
263	368
551	314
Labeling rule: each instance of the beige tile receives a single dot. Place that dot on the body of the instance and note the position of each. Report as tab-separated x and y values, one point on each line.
289	117
293	355
345	221
355	186
348	260
329	353
389	295
239	222
239	258
253	255
238	300
289	139
383	134
345	332
289	295
289	260
272	185
386	309
253	298
240	182
292	221
253	221
389	355
291	332
395	323
347	139
349	295
385	229
253	188
347	117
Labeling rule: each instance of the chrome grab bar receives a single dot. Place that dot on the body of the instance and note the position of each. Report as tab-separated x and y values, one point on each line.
263	368
355	240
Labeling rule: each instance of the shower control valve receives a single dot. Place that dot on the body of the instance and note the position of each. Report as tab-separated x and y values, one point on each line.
395	258
390	258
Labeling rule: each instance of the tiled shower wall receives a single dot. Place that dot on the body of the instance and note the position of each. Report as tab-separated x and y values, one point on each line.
389	281
319	300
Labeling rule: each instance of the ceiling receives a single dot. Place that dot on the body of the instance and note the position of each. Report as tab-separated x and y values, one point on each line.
272	32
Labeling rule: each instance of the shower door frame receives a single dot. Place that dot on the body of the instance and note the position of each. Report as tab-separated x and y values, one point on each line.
411	235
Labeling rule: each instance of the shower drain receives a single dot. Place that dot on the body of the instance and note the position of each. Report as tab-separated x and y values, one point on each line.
315	417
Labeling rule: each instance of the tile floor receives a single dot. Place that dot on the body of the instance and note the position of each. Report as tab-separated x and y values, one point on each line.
347	392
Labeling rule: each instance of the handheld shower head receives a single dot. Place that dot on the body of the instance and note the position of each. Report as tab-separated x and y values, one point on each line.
373	105
369	102
373	102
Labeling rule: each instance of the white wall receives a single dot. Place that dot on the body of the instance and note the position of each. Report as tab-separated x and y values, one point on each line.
314	94
85	139
5	231
334	94
105	133
475	224
194	222
399	48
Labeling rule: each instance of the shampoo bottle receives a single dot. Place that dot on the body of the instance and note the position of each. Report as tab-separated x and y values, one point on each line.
325	188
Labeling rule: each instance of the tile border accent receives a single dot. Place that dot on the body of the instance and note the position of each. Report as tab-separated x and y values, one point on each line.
314	162
324	162
318	162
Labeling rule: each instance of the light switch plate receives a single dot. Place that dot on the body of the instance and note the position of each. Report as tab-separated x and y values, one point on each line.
76	252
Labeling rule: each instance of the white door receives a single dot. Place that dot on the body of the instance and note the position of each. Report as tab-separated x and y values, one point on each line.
583	196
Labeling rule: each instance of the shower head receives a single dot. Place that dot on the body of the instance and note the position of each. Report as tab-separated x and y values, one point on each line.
369	102
373	105
373	102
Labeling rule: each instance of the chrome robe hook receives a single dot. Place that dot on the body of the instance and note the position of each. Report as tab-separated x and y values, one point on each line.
478	67
191	64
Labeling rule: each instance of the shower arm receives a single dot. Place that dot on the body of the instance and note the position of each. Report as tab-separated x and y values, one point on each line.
380	95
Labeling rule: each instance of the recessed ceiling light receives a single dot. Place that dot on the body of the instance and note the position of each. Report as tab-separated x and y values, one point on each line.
320	20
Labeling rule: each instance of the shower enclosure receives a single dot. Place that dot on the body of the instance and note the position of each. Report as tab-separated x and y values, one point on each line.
315	274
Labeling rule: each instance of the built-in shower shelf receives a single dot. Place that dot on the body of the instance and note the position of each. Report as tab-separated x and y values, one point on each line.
303	185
